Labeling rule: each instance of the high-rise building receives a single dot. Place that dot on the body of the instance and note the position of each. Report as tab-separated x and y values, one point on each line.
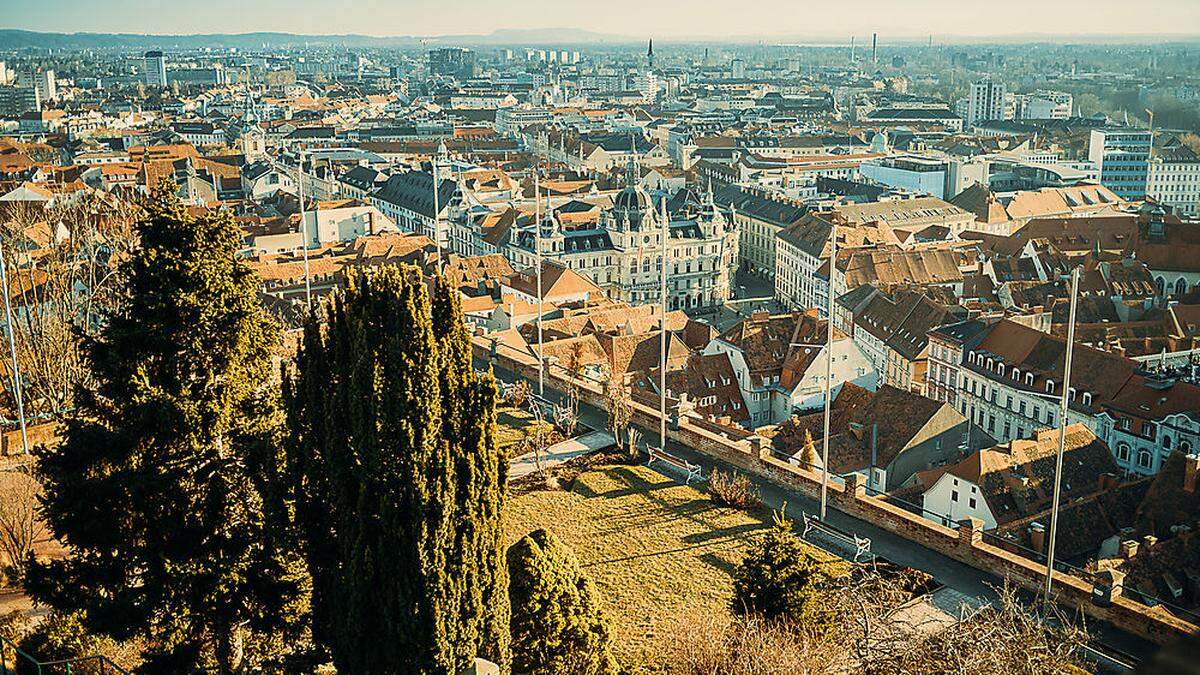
1123	158
16	101
46	85
737	69
4	75
155	70
986	102
453	62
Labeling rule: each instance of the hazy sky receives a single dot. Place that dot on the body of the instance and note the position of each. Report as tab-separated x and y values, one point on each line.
658	18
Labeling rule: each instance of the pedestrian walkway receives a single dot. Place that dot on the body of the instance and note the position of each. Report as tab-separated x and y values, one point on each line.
558	453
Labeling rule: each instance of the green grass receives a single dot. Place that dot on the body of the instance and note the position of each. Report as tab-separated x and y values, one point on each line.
511	425
656	549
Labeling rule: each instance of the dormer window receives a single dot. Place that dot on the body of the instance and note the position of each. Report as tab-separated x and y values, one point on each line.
1071	394
1016	374
1087	398
1000	369
1029	379
1049	386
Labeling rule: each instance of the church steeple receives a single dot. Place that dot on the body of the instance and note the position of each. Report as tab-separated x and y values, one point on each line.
650	54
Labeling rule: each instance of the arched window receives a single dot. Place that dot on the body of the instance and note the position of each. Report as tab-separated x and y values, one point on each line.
1016	374
1160	284
1166	441
1185	447
1029	379
1181	286
1049	386
1123	452
1144	459
1087	398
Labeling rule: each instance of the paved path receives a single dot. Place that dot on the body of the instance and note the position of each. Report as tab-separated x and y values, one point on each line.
522	466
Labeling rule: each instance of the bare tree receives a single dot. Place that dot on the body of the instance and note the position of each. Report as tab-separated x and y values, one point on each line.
64	266
620	412
876	631
21	526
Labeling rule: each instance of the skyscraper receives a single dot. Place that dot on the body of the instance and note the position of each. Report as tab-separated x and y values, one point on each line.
46	85
155	70
453	62
1123	158
986	102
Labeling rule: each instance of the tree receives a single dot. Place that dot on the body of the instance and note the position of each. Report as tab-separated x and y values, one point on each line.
153	489
64	636
620	414
398	481
74	282
780	578
20	524
557	624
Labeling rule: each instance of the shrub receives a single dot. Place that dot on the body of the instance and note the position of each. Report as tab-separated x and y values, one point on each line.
733	489
780	578
556	622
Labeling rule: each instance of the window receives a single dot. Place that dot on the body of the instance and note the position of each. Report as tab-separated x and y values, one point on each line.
1050	417
1037	413
1166	441
1144	459
972	502
991	423
954	495
1049	386
1123	452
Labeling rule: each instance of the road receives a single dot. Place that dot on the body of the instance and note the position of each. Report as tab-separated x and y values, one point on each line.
947	571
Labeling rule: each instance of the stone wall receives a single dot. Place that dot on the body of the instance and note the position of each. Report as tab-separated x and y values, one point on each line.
39	433
965	544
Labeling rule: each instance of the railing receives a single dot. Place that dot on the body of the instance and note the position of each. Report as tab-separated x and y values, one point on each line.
28	663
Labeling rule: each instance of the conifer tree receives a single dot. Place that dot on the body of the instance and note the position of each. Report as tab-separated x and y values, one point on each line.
398	481
557	624
153	490
780	578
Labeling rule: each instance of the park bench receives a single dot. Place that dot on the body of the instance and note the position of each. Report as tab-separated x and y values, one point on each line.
692	471
860	545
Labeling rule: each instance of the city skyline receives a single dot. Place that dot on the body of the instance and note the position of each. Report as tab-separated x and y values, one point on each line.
670	20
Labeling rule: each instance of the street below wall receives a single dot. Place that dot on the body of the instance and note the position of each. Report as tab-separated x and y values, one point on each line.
894	548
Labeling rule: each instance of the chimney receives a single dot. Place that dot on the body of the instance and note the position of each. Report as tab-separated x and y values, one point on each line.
1108	481
1037	537
1191	465
1129	549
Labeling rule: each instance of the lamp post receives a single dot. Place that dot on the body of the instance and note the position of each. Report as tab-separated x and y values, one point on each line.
1062	433
537	238
304	233
12	348
437	220
828	369
662	360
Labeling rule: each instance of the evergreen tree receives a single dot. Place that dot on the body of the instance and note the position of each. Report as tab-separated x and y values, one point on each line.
398	481
780	578
557	625
153	490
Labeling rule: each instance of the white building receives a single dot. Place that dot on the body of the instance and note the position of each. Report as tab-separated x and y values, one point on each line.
987	101
154	71
1173	179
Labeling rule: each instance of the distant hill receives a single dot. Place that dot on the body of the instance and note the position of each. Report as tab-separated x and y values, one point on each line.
24	39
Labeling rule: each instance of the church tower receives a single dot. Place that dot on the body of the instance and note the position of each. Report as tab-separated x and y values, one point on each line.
650	54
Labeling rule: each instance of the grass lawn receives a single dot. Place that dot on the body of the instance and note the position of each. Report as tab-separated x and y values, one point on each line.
511	424
655	548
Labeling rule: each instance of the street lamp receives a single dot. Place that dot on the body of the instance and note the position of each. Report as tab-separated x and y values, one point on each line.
12	348
662	362
828	368
1062	433
537	239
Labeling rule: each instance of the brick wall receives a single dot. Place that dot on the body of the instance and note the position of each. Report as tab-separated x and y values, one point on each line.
964	544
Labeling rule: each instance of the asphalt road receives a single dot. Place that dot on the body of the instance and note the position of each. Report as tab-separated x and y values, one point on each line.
947	571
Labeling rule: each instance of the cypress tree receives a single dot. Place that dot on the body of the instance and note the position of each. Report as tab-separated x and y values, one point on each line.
154	490
557	625
398	481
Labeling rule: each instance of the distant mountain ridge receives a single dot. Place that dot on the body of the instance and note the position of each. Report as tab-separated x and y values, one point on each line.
11	38
23	39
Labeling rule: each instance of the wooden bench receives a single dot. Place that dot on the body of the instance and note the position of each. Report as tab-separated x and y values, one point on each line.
860	545
692	471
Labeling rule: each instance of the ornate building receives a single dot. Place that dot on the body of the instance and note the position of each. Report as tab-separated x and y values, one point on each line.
622	252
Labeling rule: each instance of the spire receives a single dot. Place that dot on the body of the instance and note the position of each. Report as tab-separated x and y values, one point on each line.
650	54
